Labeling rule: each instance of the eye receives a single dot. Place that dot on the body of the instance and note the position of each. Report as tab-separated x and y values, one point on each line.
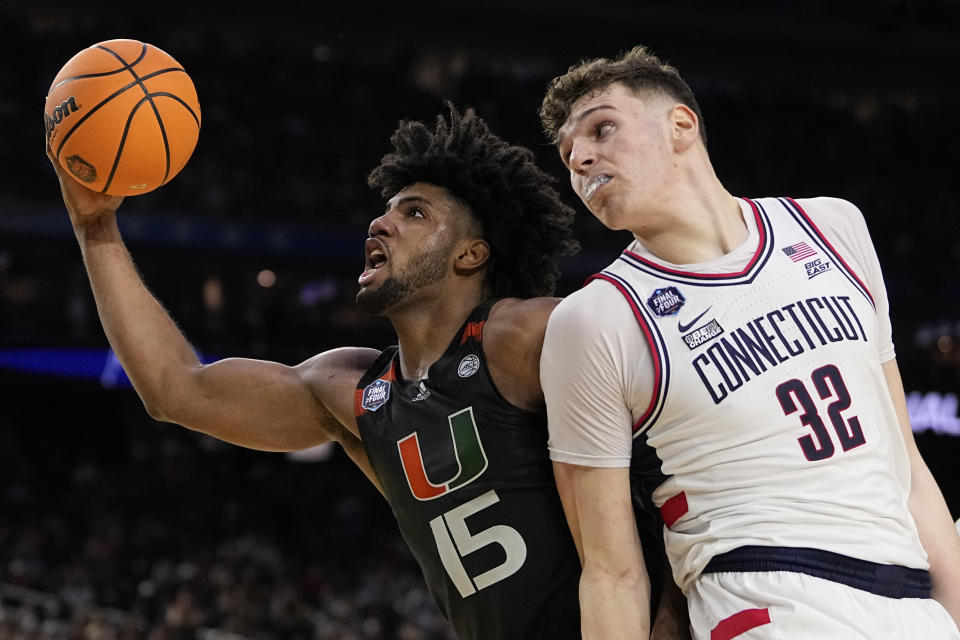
416	212
602	129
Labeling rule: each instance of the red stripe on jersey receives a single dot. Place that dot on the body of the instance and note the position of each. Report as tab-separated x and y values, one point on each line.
673	508
835	252
740	623
654	354
391	373
358	409
753	260
474	330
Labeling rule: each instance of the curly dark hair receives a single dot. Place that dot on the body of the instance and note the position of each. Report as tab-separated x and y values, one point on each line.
522	217
638	69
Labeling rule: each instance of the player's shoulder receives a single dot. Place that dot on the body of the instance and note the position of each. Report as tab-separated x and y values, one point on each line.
595	305
829	205
512	342
831	209
343	365
527	315
593	315
518	320
838	219
333	376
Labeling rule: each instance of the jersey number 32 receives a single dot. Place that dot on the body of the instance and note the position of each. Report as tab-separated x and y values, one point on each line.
827	382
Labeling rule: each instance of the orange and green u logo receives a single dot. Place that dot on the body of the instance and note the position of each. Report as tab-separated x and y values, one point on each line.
471	458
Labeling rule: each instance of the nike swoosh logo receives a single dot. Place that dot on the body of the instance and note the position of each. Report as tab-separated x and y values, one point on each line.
683	327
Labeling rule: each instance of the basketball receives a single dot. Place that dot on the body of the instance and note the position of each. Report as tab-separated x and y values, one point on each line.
122	117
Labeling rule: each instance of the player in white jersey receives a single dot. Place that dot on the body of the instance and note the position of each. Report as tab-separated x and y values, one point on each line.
734	370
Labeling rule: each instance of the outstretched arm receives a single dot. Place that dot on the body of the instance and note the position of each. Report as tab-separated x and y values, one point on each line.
937	532
257	404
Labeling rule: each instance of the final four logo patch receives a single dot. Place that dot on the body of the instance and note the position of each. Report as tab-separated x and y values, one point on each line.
375	395
666	301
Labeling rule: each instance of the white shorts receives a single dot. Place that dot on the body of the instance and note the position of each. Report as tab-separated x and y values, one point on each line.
784	605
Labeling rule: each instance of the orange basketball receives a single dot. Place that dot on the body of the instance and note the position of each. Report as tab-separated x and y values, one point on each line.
122	117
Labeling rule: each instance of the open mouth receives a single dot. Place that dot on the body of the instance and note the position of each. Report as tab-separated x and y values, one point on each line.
376	258
595	183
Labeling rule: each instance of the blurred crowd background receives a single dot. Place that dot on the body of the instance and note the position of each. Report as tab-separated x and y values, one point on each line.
115	526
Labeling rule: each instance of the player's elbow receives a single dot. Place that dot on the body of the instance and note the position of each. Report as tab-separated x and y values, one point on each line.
172	412
158	408
169	400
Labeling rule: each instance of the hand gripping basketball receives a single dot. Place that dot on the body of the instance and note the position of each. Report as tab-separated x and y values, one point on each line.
84	205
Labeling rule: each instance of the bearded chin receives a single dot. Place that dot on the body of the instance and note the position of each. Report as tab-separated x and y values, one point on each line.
431	267
375	301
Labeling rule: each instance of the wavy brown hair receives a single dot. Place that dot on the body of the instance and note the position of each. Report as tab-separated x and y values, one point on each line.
638	69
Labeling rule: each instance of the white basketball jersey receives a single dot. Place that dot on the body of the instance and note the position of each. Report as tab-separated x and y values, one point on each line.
770	422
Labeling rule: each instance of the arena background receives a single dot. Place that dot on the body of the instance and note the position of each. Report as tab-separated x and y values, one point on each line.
115	526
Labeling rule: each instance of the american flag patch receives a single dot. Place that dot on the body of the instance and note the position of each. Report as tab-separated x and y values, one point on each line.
799	251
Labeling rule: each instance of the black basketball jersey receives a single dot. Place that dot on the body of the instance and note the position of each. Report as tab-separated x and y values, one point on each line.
469	479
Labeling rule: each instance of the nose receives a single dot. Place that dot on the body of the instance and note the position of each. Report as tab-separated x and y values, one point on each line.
382	226
581	156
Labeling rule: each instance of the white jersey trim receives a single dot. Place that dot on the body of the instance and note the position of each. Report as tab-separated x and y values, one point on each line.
746	275
801	217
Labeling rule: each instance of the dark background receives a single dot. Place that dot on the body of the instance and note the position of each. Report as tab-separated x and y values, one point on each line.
112	525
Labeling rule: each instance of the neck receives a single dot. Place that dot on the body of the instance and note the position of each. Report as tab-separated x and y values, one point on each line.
426	327
695	220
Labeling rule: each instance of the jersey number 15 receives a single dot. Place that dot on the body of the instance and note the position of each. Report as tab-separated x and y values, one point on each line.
455	541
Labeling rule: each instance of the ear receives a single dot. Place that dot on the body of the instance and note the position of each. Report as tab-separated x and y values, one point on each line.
684	127
472	254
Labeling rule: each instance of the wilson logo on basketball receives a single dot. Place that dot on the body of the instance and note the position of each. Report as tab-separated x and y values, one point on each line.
60	112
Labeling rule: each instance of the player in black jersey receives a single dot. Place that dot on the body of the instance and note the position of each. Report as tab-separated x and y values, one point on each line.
450	424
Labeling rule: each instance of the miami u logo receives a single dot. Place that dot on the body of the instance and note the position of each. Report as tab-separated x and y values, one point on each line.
471	458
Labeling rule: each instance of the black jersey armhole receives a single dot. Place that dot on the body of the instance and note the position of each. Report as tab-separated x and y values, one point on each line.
481	314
